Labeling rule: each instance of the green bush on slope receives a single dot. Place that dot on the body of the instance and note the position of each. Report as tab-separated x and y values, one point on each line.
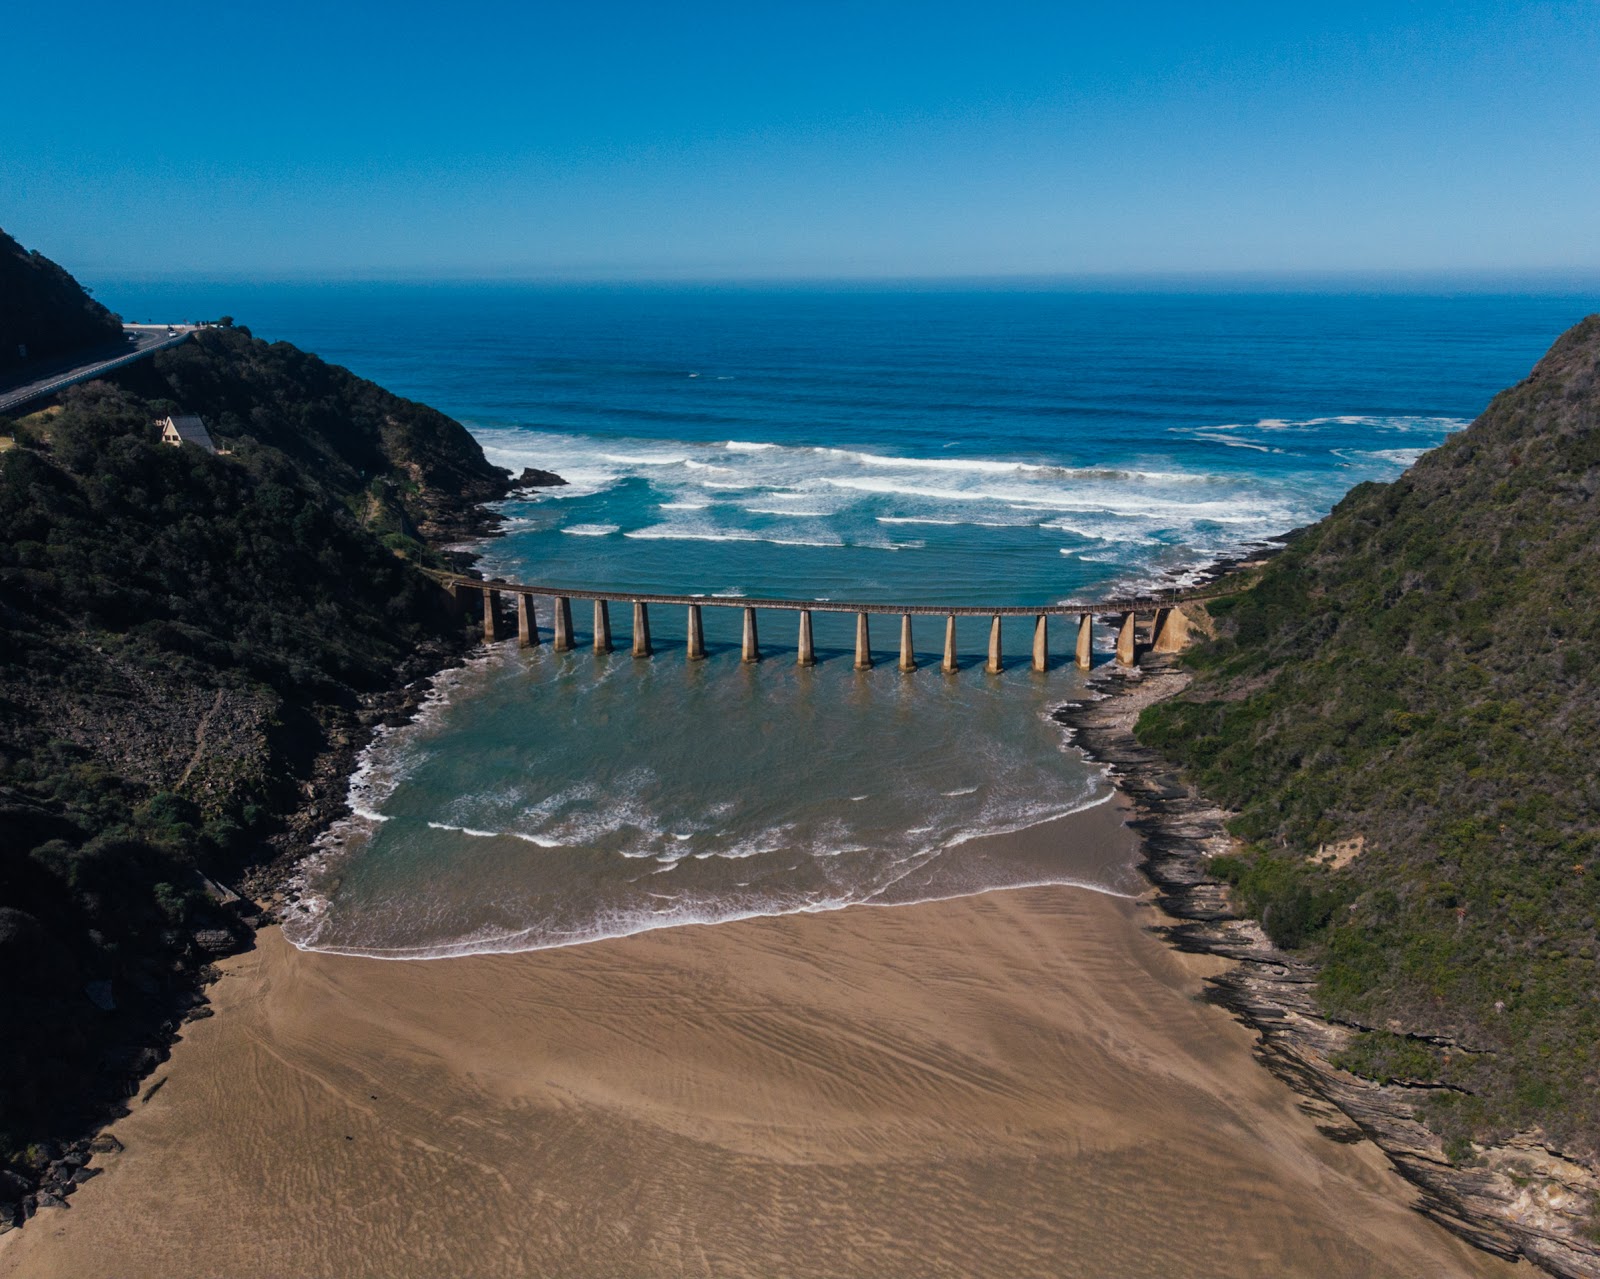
150	595
1419	670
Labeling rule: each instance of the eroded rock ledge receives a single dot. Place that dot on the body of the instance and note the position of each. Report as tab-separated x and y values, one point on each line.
1523	1201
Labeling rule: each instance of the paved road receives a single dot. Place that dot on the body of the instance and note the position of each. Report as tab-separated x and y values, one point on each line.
145	340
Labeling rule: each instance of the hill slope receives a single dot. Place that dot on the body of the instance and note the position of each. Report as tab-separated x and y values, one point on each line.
1414	681
45	310
189	644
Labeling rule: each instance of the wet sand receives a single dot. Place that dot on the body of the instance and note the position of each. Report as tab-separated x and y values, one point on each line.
1018	1083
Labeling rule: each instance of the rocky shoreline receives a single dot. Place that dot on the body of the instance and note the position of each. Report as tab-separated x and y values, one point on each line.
1518	1200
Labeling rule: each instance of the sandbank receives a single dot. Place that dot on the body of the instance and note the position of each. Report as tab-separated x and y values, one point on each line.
1016	1083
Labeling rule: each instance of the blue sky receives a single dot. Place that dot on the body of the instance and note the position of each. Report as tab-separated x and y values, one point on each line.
795	141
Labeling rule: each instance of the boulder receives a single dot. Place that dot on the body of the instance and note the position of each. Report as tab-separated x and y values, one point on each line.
47	1200
533	478
84	1174
214	941
106	1144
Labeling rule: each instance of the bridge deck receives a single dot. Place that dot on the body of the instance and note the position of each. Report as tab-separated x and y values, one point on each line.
1069	608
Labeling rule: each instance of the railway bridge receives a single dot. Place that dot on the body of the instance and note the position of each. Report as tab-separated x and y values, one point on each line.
1167	629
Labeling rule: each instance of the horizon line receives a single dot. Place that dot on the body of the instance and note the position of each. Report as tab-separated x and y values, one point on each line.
1476	279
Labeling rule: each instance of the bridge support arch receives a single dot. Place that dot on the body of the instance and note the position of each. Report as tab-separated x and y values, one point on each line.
641	629
752	645
527	623
863	644
1125	640
697	635
491	615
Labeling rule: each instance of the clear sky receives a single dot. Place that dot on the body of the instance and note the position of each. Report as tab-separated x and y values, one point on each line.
763	140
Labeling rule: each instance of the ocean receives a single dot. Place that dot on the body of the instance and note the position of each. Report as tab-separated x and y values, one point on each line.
919	446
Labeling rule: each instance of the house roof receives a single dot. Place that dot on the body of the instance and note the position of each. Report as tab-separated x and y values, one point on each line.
192	430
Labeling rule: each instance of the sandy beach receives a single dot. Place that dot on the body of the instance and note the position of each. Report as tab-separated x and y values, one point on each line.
1017	1083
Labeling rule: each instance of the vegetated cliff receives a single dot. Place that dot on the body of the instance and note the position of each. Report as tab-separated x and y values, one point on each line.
186	641
46	311
1404	715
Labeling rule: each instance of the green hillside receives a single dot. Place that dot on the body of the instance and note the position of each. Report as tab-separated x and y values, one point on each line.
183	637
1418	672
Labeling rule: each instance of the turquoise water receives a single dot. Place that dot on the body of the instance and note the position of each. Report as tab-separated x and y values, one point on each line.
922	447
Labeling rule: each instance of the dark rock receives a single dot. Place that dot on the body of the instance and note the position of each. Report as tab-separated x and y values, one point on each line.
106	1144
30	1205
48	1200
13	1185
75	1159
84	1174
215	941
533	478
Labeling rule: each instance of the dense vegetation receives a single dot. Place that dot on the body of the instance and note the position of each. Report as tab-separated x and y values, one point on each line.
1418	672
45	310
181	635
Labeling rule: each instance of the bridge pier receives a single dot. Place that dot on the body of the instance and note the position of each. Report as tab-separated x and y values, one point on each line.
563	626
863	644
1085	641
908	657
1041	644
491	615
994	666
527	623
752	646
641	630
602	627
808	652
949	666
1125	640
1172	631
697	635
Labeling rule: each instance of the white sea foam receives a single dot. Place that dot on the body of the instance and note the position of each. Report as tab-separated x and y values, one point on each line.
590	530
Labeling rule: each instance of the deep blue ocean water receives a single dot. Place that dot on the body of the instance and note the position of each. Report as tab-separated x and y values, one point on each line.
924	446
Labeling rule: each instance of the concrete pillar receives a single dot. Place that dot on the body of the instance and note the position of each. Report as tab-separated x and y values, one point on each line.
602	627
1041	643
994	667
641	630
948	666
863	644
1173	631
808	651
563	626
527	623
752	645
697	635
1125	640
908	658
1085	641
491	615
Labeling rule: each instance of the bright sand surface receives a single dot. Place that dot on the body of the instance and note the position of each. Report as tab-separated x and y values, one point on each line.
1018	1083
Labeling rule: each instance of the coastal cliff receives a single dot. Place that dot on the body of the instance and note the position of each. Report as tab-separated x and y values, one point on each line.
192	648
1375	787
